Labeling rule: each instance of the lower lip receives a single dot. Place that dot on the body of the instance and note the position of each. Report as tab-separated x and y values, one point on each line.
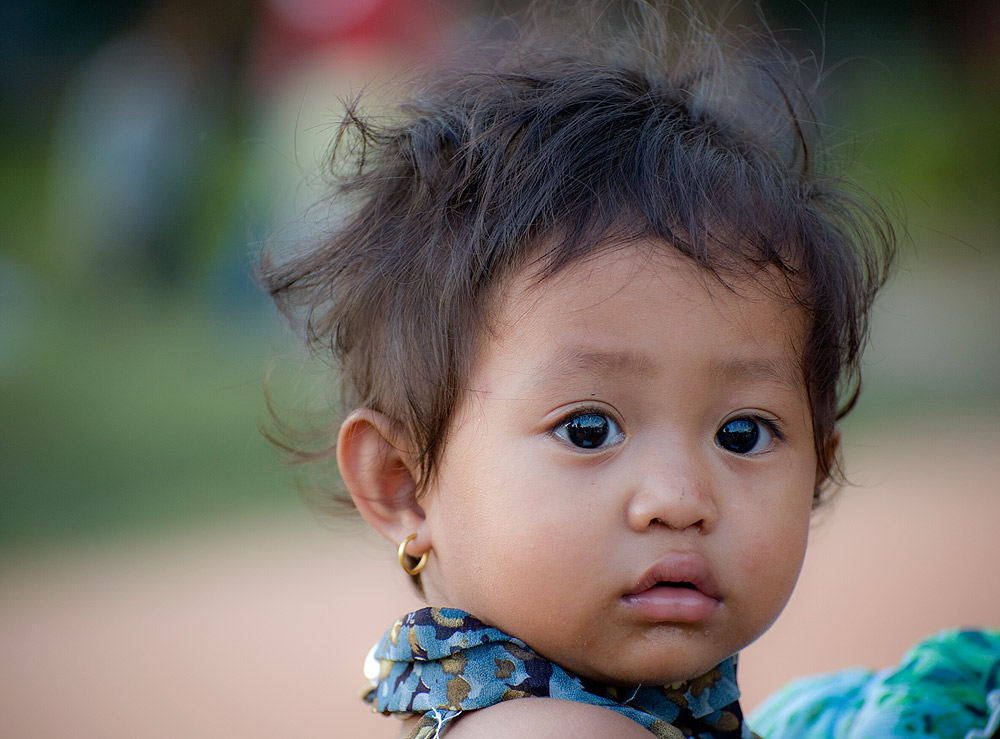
674	605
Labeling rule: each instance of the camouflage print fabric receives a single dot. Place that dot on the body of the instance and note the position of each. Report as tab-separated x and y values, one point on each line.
946	687
437	663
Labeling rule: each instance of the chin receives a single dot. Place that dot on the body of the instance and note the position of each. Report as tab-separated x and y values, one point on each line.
665	671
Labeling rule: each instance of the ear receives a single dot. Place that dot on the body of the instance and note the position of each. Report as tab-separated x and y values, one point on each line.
377	469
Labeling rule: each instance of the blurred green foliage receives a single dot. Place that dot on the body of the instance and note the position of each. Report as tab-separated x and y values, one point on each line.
132	411
934	136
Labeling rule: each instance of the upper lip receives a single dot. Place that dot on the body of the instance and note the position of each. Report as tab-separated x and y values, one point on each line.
689	567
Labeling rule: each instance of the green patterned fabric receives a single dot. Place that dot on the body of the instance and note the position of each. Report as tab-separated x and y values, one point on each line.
946	687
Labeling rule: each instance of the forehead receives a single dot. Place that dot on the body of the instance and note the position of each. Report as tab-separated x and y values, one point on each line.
624	311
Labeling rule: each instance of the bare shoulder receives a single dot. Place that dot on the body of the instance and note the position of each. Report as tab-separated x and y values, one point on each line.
545	718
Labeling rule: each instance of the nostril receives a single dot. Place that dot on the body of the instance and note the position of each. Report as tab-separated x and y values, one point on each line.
698	525
674	511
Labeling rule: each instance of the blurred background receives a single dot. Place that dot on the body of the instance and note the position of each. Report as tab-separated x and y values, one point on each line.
160	576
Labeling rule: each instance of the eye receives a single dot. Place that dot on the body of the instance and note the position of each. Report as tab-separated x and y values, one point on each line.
745	435
589	430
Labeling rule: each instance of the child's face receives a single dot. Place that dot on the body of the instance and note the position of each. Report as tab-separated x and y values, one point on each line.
632	422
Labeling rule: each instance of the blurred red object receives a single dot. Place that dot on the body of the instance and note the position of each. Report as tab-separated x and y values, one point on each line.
295	30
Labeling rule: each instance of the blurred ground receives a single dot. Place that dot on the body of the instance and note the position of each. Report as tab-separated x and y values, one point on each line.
258	629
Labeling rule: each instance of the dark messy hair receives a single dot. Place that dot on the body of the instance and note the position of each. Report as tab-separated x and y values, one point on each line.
544	150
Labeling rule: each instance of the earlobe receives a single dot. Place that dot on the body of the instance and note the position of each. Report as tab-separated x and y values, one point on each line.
378	472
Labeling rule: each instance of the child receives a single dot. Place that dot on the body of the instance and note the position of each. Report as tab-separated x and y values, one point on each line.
597	314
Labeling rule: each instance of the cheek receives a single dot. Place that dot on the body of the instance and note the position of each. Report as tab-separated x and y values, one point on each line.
776	559
479	526
772	554
769	569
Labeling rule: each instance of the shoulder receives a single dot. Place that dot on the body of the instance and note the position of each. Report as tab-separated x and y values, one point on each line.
545	718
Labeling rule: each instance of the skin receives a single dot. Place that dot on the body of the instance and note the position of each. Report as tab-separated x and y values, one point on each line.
551	542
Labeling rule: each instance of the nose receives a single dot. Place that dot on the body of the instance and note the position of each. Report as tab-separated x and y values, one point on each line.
676	495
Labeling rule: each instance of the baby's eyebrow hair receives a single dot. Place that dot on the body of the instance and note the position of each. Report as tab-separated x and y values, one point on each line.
737	369
612	364
597	362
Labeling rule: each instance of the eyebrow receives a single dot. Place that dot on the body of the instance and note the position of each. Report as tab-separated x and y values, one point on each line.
602	364
613	364
756	370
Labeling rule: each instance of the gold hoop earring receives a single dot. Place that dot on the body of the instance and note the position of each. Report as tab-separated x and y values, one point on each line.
415	570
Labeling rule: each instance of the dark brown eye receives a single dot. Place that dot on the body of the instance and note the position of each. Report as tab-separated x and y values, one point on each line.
743	436
589	431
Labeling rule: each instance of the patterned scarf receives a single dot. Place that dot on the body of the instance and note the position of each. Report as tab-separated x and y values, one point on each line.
439	662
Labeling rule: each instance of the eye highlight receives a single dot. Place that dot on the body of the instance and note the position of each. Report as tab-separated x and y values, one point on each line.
589	429
746	435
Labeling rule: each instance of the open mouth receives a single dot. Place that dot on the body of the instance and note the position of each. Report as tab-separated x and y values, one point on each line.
683	575
679	588
684	585
675	601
